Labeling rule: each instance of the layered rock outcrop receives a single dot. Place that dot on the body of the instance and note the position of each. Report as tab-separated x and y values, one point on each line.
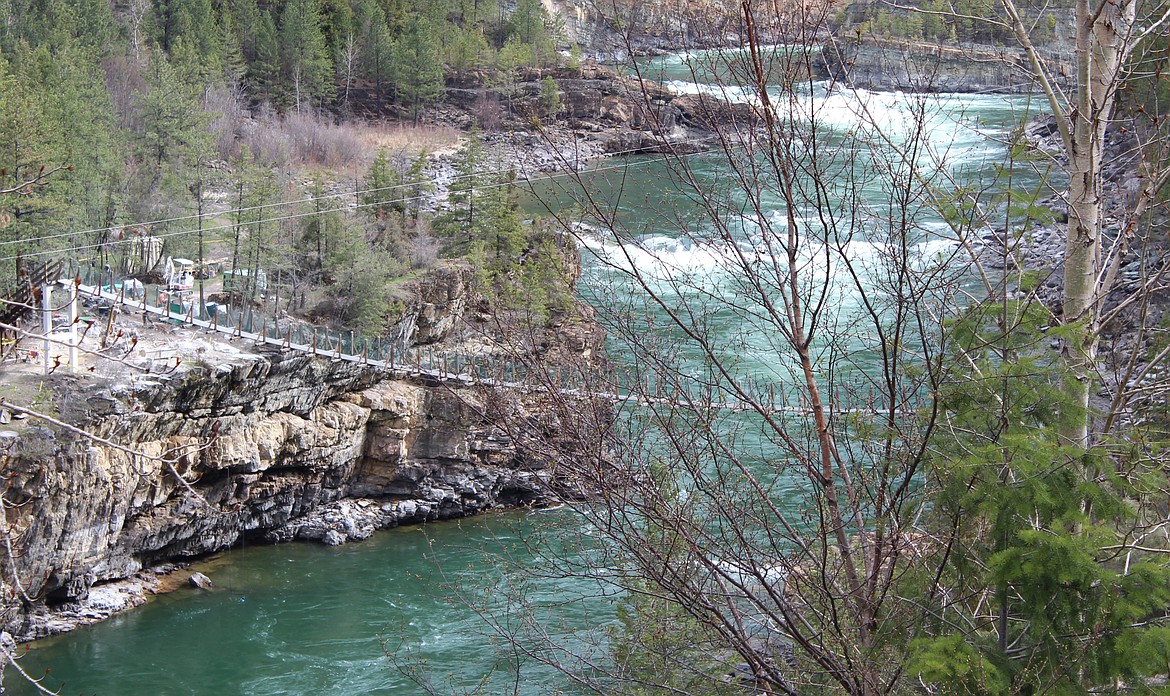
606	113
918	66
612	31
268	446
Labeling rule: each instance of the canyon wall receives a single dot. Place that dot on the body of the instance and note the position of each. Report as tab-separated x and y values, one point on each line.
270	447
918	66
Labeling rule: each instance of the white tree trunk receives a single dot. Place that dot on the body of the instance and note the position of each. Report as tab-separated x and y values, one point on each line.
1101	49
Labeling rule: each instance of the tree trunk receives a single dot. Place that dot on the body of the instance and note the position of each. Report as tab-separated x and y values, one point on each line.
1099	57
202	262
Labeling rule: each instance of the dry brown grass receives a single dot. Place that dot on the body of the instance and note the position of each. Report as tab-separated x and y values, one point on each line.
317	141
407	138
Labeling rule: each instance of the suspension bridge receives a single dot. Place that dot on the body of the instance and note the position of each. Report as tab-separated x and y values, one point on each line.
389	358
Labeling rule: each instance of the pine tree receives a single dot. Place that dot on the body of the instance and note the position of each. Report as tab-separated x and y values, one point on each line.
512	57
25	155
79	124
88	23
1032	570
527	21
469	15
382	193
466	50
305	65
320	234
418	184
234	64
503	234
550	98
529	25
170	111
464	221
499	242
189	21
418	73
247	25
252	188
361	296
264	71
374	45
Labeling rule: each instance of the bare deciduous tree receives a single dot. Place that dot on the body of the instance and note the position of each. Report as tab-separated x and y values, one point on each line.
348	65
756	497
1109	35
766	498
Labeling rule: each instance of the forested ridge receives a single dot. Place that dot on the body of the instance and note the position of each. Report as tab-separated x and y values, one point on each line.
254	120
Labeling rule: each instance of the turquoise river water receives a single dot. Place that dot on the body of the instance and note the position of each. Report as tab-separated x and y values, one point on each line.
305	619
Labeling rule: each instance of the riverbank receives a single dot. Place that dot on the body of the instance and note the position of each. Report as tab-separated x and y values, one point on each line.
227	441
310	619
278	447
601	113
181	443
1136	302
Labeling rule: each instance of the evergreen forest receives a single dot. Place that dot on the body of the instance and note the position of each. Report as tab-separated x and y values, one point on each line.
279	136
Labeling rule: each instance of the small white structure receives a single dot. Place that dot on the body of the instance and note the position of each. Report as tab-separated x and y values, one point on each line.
179	274
144	253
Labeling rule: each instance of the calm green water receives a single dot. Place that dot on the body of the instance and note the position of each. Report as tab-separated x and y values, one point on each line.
309	619
302	619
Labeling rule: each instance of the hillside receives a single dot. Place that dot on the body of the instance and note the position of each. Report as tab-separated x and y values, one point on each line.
931	46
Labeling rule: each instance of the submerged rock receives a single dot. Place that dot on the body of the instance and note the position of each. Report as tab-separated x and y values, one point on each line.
201	581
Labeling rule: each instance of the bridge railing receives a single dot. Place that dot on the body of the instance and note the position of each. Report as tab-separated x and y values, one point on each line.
426	362
645	389
291	334
249	320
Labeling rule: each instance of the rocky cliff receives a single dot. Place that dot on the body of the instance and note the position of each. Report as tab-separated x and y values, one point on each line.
611	31
233	445
602	112
918	66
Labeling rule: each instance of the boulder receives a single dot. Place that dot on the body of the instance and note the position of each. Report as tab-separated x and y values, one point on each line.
201	581
441	298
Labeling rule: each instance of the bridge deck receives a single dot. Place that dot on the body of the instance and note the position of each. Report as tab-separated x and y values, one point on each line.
440	376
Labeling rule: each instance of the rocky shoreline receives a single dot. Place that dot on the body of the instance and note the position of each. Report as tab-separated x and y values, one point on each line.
275	447
285	448
233	442
106	600
603	114
343	521
1127	343
1041	249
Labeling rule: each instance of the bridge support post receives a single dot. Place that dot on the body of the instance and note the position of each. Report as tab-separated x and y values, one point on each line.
47	321
73	319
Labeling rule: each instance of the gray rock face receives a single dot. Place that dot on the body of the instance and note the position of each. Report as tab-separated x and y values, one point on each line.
609	31
273	447
926	67
603	112
7	650
441	298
